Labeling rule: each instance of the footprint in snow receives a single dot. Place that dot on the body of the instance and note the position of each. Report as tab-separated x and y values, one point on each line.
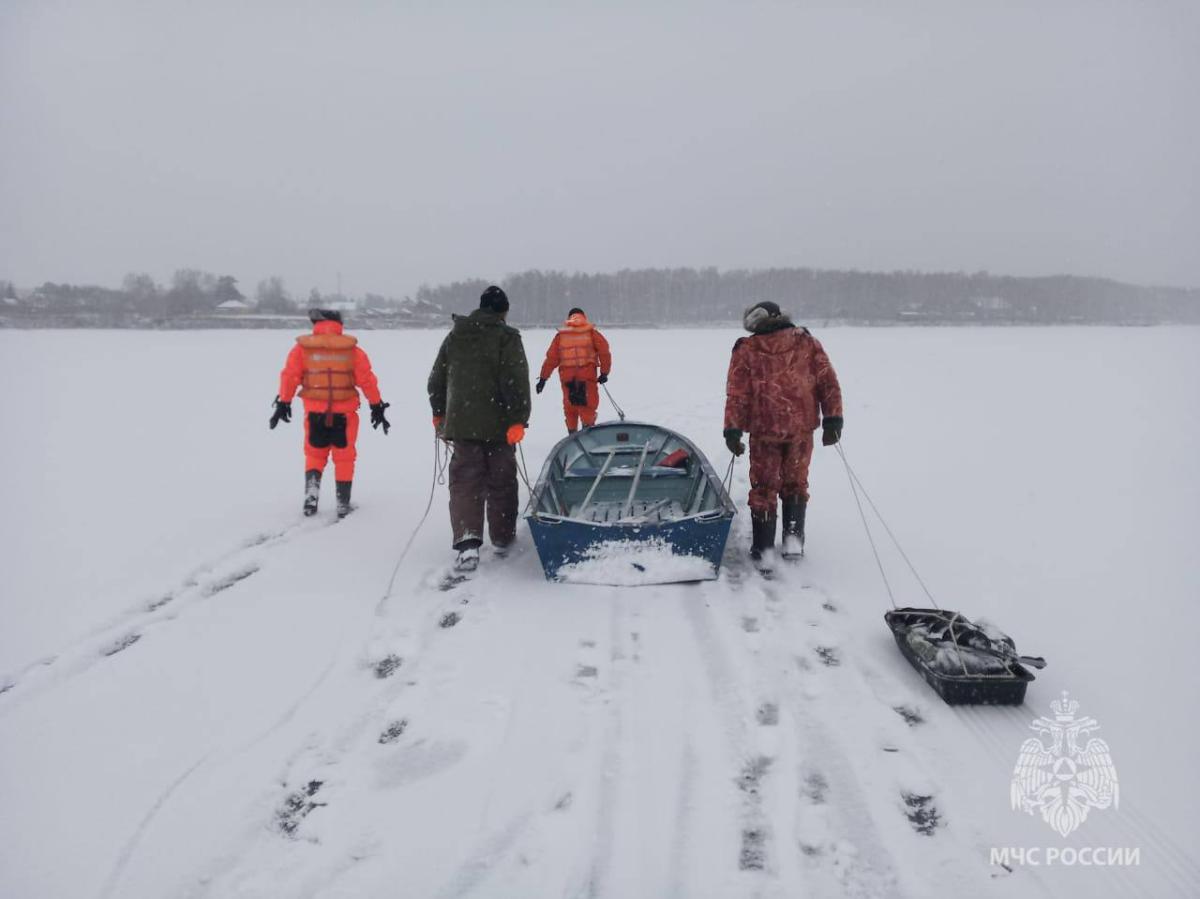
387	666
155	604
229	580
750	625
297	806
752	773
828	655
393	732
753	856
911	716
120	645
922	814
767	714
816	788
449	620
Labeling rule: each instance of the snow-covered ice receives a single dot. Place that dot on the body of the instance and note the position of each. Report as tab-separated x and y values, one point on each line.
204	696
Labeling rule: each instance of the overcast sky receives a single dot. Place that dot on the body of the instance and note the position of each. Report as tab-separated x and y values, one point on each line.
404	142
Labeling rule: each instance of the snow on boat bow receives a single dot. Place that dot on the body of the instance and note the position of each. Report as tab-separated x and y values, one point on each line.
629	503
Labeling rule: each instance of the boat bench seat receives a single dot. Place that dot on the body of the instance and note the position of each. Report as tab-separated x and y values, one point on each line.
650	471
610	512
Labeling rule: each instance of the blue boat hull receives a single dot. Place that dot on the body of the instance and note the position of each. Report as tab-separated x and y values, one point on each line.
627	503
570	544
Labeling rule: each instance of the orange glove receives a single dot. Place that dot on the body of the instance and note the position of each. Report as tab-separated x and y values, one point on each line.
516	433
437	422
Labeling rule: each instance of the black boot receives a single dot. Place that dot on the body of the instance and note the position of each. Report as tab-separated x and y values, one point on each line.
312	491
343	498
793	526
763	526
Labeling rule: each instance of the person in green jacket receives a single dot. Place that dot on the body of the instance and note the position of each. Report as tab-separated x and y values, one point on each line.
479	394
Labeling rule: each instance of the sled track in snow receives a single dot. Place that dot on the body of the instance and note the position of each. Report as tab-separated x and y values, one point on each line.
120	634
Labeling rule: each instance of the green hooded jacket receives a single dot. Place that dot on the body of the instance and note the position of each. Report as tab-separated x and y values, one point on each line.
480	379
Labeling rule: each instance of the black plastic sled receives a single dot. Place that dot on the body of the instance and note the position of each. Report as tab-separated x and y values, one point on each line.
966	663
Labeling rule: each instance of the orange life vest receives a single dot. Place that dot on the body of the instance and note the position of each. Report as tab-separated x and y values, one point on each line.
575	346
328	367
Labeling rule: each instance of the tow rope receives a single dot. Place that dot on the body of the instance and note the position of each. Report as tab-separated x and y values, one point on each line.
620	411
441	461
856	486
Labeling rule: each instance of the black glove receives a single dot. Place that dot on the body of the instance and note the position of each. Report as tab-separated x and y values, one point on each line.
377	417
831	430
541	385
283	412
733	440
603	379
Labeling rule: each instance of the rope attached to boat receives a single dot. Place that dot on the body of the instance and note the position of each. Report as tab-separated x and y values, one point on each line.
620	411
524	472
727	481
441	461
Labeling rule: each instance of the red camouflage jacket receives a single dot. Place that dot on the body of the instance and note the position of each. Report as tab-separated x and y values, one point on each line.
780	385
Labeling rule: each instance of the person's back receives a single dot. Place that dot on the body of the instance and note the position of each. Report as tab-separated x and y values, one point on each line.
479	396
780	378
329	369
781	387
583	359
480	352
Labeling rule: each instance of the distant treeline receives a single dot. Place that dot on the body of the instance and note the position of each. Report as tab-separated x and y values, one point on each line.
658	297
688	296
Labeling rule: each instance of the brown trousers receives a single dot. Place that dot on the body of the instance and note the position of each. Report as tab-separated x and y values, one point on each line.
778	468
483	474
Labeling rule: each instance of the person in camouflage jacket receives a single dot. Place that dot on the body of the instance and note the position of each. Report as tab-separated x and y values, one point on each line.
479	395
781	387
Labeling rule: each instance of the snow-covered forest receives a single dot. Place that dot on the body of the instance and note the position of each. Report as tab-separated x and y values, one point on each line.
670	297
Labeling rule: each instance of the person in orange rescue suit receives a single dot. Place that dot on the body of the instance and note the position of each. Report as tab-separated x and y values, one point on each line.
781	387
578	350
330	369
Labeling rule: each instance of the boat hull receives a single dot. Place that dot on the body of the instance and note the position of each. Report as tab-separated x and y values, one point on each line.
628	503
667	552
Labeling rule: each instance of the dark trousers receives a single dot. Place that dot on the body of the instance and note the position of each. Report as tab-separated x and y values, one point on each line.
483	475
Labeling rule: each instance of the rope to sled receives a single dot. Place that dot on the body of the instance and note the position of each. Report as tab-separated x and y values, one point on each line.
870	538
727	481
620	411
911	567
440	463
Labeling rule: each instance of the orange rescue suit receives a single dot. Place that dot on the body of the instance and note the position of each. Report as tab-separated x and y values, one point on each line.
329	368
577	350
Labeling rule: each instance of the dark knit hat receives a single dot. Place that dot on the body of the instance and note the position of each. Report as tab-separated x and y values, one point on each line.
575	309
324	315
494	299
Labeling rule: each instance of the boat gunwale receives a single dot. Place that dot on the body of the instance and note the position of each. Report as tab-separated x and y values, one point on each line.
725	507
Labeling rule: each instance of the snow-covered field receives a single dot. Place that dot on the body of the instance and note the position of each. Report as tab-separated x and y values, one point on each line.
205	696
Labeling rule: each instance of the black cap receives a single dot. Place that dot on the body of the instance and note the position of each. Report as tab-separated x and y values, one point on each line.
494	299
575	309
772	309
324	315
